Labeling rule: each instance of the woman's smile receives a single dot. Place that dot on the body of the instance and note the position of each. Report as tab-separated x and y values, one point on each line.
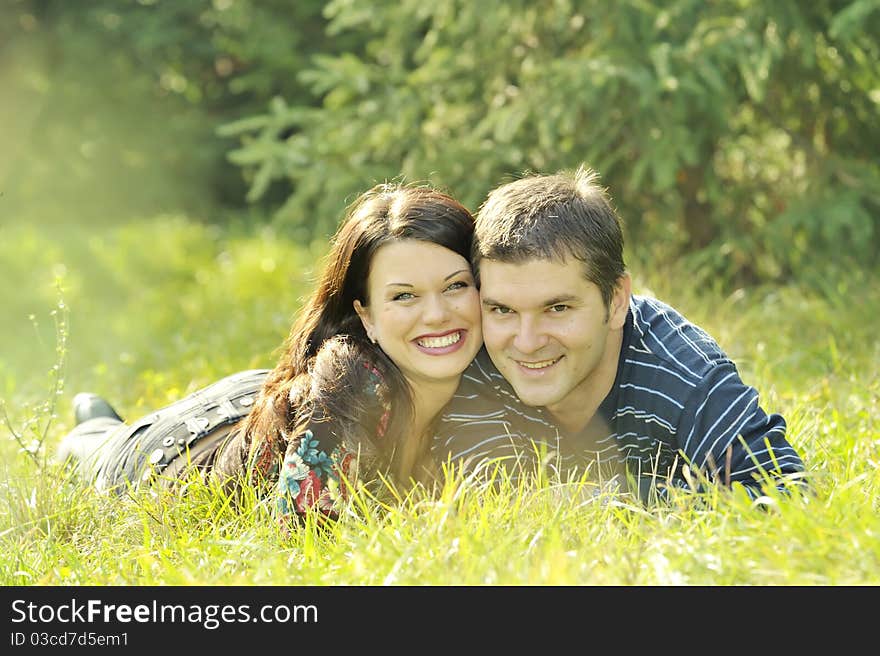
440	344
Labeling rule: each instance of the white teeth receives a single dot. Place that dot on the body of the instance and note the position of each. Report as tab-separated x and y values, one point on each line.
538	365
440	342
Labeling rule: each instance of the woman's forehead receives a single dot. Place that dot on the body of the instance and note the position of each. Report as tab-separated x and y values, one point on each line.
412	259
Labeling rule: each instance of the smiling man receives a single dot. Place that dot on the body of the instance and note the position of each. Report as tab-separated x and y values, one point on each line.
585	375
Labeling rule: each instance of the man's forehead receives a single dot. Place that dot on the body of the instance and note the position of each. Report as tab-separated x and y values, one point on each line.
561	268
533	282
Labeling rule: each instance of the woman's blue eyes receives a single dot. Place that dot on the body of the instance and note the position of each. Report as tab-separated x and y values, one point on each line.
405	296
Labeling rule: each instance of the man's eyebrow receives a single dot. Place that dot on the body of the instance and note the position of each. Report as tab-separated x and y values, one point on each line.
556	300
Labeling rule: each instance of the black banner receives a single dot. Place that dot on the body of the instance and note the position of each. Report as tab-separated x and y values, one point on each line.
366	618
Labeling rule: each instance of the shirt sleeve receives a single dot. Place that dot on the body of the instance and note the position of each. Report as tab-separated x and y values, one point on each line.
315	474
725	434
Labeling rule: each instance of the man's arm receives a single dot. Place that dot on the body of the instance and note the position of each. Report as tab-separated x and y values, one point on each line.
725	434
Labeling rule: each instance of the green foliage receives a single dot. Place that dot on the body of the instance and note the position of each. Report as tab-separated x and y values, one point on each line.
155	307
106	100
87	135
742	132
31	435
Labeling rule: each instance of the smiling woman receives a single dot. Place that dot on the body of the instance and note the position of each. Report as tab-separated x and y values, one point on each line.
376	353
423	310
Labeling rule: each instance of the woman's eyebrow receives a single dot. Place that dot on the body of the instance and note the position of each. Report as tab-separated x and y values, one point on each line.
407	284
455	273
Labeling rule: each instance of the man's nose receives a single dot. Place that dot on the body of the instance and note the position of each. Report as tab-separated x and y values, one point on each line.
529	337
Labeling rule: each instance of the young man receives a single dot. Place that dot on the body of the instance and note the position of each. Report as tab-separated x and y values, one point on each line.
577	368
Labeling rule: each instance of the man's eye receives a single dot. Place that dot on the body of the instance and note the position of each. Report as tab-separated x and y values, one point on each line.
402	296
500	309
558	308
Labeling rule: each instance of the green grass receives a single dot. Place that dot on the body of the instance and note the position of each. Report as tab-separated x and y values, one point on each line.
154	309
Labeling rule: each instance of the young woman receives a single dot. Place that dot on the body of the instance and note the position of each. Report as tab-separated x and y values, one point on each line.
373	357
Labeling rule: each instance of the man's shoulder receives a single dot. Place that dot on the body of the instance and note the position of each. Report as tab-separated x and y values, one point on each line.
482	371
664	336
484	393
482	379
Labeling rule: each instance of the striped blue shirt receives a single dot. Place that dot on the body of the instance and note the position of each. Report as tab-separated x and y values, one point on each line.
677	405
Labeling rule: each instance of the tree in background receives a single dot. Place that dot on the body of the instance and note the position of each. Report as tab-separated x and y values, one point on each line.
741	132
107	95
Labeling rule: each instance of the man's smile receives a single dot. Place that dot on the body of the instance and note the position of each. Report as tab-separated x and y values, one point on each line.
538	364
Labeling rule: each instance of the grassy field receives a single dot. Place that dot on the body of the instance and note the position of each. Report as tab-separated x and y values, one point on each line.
146	311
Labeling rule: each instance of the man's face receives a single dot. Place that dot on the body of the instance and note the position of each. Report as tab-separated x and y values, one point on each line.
547	330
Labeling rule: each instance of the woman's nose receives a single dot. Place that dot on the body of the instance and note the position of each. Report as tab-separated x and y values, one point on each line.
436	310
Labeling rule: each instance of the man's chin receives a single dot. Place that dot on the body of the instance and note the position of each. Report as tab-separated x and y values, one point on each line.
532	397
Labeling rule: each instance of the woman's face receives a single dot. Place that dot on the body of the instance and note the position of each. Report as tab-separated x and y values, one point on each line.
424	310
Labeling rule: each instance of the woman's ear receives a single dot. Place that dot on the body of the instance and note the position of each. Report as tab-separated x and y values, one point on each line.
364	316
